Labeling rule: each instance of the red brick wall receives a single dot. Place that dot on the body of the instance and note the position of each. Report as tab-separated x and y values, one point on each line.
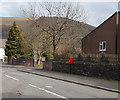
118	37
105	32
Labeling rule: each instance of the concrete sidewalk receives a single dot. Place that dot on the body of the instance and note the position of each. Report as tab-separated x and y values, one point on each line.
109	85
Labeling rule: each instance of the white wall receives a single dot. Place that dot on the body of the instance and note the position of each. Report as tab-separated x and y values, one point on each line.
2	53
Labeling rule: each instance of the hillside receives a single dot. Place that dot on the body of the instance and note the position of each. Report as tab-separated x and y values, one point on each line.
74	32
24	24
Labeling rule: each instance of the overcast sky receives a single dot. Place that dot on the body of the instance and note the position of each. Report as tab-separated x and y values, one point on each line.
97	10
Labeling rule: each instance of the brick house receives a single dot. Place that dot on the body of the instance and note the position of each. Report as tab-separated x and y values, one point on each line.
105	38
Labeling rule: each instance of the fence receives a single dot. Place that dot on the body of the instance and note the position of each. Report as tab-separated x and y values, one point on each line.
24	62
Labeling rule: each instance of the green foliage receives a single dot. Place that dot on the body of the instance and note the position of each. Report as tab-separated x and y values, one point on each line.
13	45
89	59
39	65
104	59
26	56
80	57
118	58
44	55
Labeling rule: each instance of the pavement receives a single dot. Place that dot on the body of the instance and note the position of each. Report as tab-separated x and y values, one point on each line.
108	85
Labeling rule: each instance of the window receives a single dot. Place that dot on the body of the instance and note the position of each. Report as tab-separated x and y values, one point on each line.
102	46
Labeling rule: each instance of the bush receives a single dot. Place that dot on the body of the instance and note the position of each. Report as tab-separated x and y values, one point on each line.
39	65
89	59
27	56
44	55
104	59
80	57
118	58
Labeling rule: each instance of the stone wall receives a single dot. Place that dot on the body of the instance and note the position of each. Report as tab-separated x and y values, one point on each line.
105	71
47	65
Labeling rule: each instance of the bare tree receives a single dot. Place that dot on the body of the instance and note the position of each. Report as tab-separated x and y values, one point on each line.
36	43
52	19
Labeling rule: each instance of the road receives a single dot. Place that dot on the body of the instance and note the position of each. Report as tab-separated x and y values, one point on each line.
17	84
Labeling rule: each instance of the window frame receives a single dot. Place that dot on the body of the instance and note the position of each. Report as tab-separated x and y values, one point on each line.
101	45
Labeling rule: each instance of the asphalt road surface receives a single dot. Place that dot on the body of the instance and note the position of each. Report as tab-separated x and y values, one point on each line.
17	84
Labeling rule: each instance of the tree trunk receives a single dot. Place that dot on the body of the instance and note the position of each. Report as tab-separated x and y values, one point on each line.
35	58
54	47
9	59
39	60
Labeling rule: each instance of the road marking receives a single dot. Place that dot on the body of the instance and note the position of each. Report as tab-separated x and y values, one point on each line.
47	91
32	85
12	77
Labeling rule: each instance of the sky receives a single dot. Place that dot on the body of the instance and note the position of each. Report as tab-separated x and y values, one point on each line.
97	10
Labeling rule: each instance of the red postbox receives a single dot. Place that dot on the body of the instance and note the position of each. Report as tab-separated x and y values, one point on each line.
71	60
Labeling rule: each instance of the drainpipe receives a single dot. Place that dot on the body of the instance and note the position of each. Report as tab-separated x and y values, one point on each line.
117	20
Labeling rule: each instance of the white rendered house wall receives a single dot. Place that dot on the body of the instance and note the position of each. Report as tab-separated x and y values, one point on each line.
2	53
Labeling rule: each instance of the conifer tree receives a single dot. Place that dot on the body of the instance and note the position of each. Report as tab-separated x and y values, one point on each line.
13	45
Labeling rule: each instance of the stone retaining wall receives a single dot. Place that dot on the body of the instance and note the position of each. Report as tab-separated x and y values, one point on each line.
106	71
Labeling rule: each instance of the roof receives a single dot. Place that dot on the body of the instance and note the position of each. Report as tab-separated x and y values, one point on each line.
99	26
